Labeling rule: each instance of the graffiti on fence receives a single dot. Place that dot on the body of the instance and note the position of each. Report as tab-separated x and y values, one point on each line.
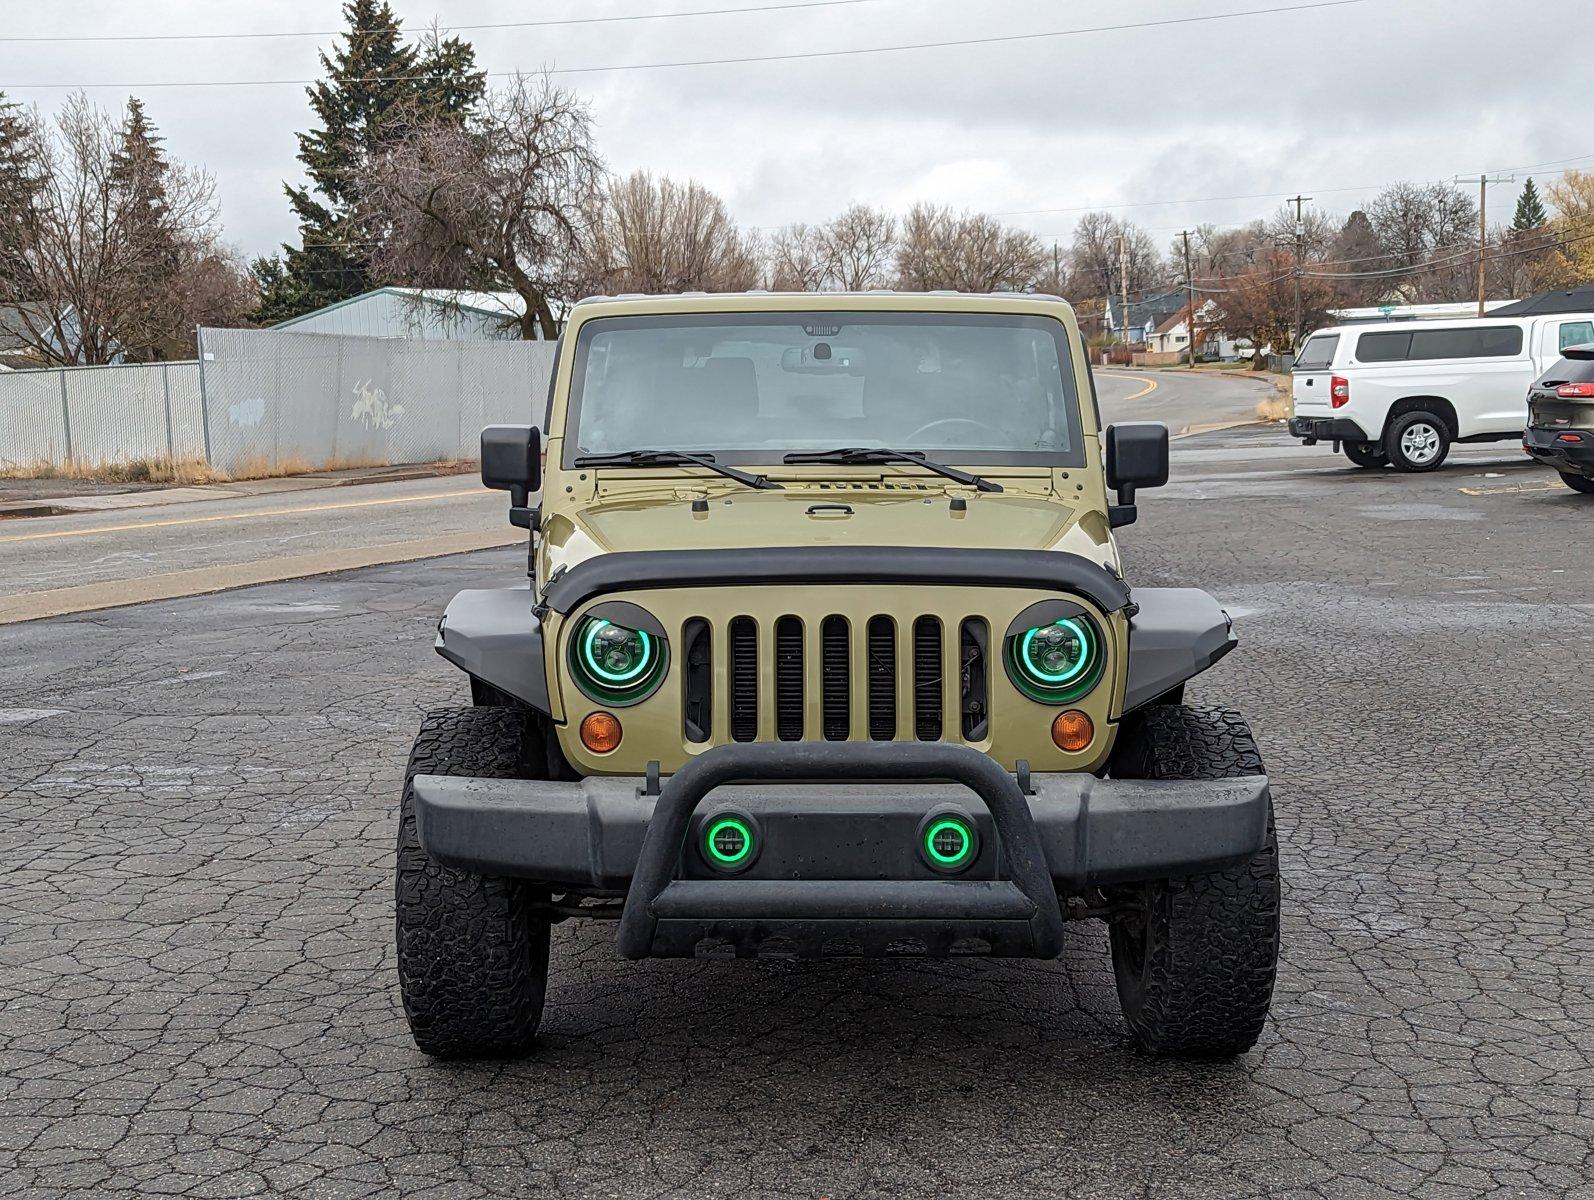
371	407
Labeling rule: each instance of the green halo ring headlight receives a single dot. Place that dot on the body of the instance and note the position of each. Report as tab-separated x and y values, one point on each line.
1058	662
615	664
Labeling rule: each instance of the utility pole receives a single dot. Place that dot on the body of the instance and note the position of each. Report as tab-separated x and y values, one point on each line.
1189	283
1300	240
1123	286
1483	222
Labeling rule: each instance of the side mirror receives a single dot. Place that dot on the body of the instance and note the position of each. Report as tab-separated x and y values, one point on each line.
512	462
1137	457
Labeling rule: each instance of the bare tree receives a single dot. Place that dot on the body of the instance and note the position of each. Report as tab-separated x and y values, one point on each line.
1423	233
103	244
857	249
1259	305
796	259
967	252
1317	231
502	200
1094	259
656	235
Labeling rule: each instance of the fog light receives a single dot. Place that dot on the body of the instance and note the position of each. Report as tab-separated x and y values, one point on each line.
728	842
949	843
600	732
1072	730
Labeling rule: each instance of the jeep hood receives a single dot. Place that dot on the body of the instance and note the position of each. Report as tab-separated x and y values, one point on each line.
844	516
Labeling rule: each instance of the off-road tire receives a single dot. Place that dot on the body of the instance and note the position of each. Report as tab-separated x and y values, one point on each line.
1578	483
1365	454
1195	963
1395	442
472	959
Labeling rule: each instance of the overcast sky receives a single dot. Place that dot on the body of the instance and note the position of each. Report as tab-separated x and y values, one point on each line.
1345	98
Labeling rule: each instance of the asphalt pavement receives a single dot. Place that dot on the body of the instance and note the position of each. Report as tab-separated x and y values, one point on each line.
197	992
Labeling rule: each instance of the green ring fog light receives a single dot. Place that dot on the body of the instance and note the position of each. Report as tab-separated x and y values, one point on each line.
949	843
1056	663
728	842
617	665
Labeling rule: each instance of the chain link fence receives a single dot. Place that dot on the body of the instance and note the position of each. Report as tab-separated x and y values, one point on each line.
101	414
275	400
262	401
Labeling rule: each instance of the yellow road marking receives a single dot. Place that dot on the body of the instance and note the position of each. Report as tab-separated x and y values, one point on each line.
1151	384
245	516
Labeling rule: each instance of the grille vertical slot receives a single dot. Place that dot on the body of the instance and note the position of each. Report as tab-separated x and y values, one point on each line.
697	681
974	658
743	639
789	679
835	693
882	646
927	704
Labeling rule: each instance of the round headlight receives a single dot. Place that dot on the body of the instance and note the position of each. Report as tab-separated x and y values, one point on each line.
1056	663
616	665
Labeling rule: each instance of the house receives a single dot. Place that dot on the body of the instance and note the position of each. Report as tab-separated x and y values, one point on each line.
24	326
1172	336
426	313
1146	312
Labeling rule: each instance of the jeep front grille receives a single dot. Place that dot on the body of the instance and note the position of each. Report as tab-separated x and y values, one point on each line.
808	679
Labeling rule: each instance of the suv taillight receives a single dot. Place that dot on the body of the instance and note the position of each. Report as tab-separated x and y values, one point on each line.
1575	391
1339	391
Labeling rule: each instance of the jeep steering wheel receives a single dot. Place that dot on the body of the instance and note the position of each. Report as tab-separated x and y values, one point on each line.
981	426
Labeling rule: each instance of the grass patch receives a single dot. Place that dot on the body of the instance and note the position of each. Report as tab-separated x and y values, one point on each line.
196	471
136	470
1280	406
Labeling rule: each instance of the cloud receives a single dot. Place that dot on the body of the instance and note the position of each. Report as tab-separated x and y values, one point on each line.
1360	95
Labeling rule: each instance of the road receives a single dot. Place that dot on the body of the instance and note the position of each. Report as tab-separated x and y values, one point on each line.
196	980
1183	400
85	561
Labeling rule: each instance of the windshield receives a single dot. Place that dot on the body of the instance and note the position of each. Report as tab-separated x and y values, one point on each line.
968	388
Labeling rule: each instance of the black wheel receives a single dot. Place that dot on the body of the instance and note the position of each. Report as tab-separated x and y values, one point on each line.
1195	960
1365	454
1578	483
1417	441
472	959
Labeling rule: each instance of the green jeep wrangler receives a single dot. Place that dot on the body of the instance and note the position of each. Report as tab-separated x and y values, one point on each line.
826	652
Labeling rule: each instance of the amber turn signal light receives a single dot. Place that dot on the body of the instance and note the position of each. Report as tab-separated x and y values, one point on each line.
1072	730
600	732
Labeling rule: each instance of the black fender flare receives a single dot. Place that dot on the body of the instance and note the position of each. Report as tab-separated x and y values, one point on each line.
492	634
1175	634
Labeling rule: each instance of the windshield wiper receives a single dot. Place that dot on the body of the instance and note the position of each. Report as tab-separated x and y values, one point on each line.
849	455
667	458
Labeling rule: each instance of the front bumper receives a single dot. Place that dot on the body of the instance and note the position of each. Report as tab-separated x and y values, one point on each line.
1575	458
839	868
1327	429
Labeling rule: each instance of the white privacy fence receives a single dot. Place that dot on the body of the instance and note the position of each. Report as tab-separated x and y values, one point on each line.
101	414
259	400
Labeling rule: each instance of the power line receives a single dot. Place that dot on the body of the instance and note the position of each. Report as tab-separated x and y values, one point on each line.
744	59
1370	187
292	33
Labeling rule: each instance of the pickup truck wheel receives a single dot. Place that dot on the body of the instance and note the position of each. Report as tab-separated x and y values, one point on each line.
472	959
1417	441
1365	454
1578	483
1195	958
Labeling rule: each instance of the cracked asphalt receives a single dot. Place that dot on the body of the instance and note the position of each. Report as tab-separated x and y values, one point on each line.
197	995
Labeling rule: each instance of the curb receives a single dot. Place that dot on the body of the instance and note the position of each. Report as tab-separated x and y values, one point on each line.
66	506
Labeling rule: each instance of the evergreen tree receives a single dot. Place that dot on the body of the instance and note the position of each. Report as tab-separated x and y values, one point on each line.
20	182
1530	212
377	86
138	171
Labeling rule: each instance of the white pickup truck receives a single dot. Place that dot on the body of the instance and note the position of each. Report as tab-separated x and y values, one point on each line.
1399	393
